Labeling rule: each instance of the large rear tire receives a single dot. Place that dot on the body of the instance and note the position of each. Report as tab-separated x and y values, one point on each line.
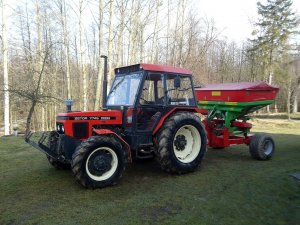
181	143
99	162
262	146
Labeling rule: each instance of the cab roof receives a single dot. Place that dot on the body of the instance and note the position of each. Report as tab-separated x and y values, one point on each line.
152	67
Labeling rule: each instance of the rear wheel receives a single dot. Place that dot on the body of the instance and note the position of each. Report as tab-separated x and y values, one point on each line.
262	146
181	143
99	162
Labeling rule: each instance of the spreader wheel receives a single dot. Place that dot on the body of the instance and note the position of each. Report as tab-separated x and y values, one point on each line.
181	143
99	162
262	146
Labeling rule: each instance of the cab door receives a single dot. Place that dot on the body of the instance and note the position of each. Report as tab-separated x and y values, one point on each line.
151	102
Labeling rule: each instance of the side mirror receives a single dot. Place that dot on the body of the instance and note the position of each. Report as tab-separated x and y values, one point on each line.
177	82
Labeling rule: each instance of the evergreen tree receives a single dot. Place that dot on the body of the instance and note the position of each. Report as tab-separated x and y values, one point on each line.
276	23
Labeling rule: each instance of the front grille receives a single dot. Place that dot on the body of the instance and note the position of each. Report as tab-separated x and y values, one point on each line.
80	130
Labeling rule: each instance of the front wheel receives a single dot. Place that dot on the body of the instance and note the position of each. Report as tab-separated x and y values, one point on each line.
262	146
99	162
181	143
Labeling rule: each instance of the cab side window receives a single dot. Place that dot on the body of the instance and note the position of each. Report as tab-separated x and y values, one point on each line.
179	90
153	91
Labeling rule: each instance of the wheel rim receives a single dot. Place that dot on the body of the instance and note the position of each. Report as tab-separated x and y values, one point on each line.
101	164
268	147
187	143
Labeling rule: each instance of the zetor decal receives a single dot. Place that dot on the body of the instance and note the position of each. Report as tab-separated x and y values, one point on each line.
86	118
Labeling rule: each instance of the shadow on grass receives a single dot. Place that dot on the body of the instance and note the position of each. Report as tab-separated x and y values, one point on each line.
143	171
277	116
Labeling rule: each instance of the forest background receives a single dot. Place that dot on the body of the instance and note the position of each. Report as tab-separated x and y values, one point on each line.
50	51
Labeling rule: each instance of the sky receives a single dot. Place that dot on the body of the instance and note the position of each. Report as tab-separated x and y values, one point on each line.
234	17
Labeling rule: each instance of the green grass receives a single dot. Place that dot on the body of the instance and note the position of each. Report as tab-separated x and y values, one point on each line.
229	188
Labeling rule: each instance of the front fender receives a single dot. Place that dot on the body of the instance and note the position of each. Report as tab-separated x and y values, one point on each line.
122	141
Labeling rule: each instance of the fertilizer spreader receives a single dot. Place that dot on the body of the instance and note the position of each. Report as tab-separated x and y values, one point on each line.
227	107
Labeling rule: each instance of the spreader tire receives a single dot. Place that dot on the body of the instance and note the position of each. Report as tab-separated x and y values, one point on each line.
262	146
58	164
99	161
181	143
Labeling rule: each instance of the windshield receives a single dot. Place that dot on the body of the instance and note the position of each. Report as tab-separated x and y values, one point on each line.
124	90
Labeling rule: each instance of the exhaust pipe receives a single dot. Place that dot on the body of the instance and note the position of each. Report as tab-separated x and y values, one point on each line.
104	89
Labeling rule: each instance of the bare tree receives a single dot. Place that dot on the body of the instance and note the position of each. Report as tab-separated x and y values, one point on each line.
40	57
32	91
110	42
5	68
154	47
63	20
99	75
83	54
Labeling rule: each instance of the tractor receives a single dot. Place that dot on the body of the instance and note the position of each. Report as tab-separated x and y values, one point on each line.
150	110
153	111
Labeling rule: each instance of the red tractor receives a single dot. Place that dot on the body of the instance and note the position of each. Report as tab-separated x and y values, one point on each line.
149	110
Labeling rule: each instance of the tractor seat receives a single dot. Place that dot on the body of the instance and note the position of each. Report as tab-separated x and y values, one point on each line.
241	124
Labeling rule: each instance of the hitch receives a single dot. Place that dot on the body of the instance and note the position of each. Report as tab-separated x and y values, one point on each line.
40	144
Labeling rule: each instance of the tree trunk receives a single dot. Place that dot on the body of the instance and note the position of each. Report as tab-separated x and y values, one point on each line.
66	47
5	70
40	59
288	102
181	38
154	40
82	56
174	48
168	33
29	116
121	34
99	87
110	43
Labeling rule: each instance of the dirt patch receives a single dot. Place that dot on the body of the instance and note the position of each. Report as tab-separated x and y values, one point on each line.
156	212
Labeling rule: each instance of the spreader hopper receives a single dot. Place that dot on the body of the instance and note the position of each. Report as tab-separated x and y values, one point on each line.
227	106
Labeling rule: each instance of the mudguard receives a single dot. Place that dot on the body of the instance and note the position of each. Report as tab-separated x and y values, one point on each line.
122	141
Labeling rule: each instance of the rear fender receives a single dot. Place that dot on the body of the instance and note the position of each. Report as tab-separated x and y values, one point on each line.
174	110
122	141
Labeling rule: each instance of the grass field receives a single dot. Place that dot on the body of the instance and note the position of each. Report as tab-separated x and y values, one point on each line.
229	188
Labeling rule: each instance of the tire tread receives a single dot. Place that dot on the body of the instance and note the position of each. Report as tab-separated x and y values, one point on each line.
79	157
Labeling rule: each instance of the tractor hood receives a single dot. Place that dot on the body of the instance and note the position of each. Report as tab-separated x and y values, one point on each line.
101	117
80	125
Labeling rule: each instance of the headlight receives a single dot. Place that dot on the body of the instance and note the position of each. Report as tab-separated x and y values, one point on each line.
60	128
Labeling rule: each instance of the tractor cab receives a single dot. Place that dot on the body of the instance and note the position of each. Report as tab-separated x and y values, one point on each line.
147	92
